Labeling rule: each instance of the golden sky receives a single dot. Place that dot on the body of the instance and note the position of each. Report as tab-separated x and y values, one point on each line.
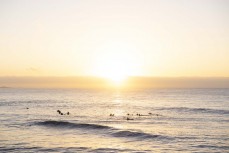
114	38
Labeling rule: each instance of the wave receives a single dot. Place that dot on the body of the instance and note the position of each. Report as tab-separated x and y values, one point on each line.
134	134
24	149
212	146
197	110
65	124
103	128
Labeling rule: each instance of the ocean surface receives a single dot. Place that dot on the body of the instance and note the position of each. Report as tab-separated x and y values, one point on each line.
138	121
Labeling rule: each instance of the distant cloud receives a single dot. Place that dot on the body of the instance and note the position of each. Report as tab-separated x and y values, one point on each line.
33	69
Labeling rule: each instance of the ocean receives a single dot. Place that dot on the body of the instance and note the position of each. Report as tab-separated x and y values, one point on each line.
107	121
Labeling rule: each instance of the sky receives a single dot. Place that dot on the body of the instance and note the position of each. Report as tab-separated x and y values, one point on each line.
114	38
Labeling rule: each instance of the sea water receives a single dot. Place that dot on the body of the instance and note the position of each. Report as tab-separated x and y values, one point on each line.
147	120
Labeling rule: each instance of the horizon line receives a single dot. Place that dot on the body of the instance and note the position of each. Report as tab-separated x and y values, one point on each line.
91	76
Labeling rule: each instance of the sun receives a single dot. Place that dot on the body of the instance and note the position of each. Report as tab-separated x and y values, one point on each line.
115	74
113	69
116	62
117	79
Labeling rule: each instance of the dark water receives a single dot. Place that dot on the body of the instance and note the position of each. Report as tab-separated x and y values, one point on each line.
170	120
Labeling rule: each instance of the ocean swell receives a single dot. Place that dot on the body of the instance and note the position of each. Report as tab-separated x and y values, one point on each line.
65	124
133	134
196	110
114	132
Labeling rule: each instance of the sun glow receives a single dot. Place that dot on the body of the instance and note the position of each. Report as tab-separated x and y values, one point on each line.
118	79
115	74
115	70
116	63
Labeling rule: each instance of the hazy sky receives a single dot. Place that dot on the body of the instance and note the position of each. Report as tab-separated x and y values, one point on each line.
106	37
